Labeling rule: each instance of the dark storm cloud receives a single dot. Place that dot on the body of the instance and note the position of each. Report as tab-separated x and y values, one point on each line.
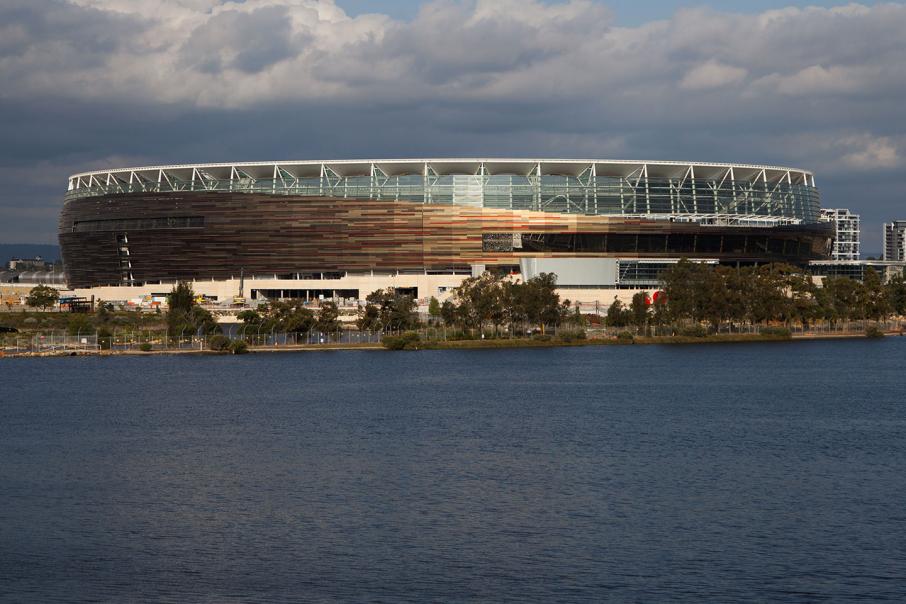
94	83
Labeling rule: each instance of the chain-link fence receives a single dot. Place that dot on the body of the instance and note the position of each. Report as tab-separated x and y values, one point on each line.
52	342
156	340
824	328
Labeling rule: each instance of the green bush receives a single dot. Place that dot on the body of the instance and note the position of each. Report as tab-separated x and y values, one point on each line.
694	331
408	341
542	337
219	343
572	335
145	347
625	336
239	347
781	332
873	331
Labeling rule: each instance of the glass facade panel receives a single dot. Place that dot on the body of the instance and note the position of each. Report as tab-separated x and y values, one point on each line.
562	194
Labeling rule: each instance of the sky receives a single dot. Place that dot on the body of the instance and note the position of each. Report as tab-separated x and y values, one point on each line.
87	84
625	12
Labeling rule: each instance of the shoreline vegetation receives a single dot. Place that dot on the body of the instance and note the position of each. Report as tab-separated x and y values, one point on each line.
698	303
486	344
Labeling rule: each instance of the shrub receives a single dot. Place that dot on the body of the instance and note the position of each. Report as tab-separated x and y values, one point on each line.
145	347
873	331
572	335
408	341
781	332
239	347
694	331
457	335
625	336
105	338
542	337
219	343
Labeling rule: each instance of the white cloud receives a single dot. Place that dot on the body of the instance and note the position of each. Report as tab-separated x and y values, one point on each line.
87	83
712	75
867	152
206	53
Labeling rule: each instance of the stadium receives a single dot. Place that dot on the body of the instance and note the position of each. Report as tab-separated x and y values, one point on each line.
340	229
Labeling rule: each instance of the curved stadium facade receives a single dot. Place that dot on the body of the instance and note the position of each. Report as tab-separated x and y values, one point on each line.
315	220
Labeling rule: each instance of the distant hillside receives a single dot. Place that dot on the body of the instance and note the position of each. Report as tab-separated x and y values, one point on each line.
51	253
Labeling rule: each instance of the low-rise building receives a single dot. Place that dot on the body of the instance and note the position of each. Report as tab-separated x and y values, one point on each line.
29	264
856	269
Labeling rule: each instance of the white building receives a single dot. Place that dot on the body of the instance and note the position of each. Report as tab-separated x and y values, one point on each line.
847	237
895	240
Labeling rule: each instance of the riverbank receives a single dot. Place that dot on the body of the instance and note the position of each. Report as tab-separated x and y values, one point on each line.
475	344
637	340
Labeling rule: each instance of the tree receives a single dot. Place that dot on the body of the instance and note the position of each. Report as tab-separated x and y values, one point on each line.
824	303
249	317
328	317
481	300
394	310
804	304
577	318
660	314
638	310
103	311
369	317
776	292
711	296
537	301
679	286
845	298
403	312
184	316
181	298
617	315
288	316
43	296
448	312
434	309
737	289
877	302
896	294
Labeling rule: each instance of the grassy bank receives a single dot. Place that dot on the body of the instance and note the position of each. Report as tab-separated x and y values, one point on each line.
643	340
478	344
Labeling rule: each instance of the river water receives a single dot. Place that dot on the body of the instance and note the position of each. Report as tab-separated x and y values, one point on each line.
719	473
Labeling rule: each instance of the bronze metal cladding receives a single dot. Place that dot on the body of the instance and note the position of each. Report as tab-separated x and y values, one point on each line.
214	235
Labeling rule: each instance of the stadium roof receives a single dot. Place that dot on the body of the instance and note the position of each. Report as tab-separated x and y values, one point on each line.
445	166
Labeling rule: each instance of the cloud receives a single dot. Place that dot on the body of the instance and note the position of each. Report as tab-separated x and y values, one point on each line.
238	55
83	82
712	75
222	42
868	152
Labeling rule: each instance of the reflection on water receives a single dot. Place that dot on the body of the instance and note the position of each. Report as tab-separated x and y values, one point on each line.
722	473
